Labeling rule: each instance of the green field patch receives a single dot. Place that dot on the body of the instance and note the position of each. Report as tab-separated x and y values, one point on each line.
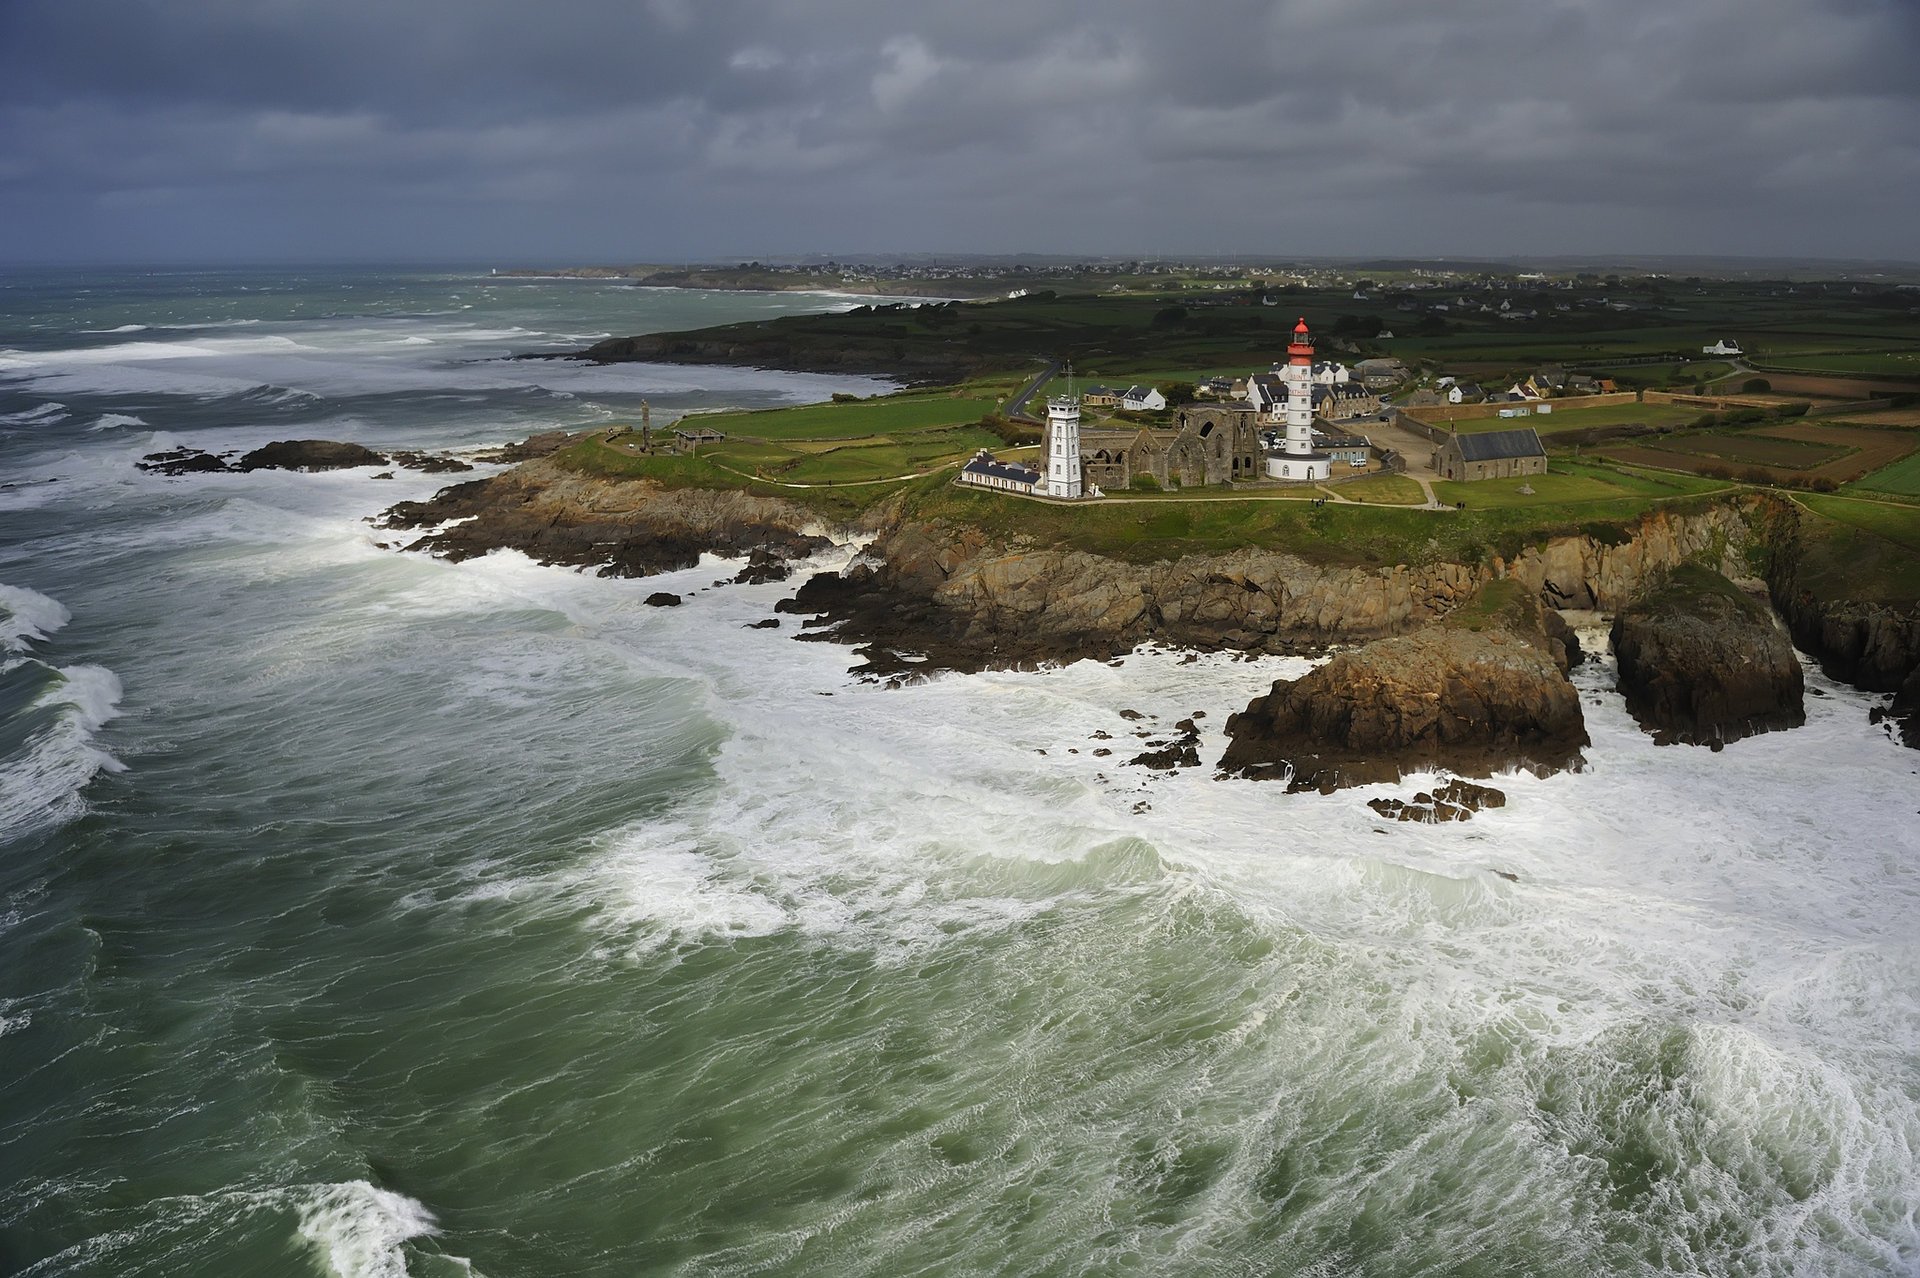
1552	489
1561	421
1900	479
1384	490
1903	363
877	416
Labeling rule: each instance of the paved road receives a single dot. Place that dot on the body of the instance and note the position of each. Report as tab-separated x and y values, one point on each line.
1019	402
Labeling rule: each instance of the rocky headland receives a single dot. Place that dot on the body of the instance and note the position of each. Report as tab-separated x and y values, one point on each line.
1481	691
623	527
1703	663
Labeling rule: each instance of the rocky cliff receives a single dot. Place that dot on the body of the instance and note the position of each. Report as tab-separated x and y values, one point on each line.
1483	691
965	601
1703	663
624	527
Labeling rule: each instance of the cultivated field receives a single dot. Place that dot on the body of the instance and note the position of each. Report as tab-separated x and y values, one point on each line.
1893	418
1786	451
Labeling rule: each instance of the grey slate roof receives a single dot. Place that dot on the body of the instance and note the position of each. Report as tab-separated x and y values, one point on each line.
1002	470
1492	445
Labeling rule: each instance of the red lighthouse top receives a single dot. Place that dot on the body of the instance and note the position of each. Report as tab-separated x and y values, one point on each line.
1300	351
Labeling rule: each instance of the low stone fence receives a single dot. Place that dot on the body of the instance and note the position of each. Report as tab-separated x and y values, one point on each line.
1709	403
1481	412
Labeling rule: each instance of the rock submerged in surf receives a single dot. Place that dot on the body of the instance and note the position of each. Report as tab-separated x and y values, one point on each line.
1701	663
1482	691
663	599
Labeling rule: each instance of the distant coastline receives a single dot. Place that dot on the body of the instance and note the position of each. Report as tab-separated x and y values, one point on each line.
760	281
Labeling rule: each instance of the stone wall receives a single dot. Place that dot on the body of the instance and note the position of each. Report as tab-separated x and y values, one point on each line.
1483	412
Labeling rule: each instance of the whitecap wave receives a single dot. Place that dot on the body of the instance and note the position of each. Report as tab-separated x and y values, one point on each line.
110	420
360	1228
28	616
42	780
124	328
43	415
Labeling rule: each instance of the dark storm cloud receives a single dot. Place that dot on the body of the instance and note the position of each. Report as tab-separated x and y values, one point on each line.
630	129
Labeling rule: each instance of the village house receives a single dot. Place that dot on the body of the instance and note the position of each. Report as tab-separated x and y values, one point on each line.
1493	454
1377	374
1354	450
1722	347
1344	401
1465	393
1214	388
1100	397
1143	399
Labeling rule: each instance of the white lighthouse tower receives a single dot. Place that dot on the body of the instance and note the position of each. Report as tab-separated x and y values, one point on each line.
1296	458
1063	446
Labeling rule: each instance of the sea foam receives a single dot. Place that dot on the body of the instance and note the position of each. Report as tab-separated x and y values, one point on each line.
359	1228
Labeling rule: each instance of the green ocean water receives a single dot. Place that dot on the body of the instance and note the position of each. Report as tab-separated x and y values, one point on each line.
362	914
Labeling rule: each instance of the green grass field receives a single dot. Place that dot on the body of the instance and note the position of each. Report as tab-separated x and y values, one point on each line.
1859	549
1893	363
1381	490
877	416
1560	421
1902	479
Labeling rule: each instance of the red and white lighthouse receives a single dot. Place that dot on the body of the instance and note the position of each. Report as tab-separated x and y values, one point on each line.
1296	459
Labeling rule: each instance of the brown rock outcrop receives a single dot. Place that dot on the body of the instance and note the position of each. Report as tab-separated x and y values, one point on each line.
1477	694
623	527
1703	664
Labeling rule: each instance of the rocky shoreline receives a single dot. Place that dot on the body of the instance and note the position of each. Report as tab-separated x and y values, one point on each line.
927	596
1426	689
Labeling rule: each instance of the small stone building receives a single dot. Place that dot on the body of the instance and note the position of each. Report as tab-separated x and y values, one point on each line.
1492	454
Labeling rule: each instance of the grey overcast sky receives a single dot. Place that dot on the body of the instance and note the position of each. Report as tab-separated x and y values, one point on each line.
513	132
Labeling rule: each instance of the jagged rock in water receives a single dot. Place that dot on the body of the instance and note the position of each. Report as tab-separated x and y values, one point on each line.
310	455
1454	801
182	461
1182	751
1701	663
763	565
1424	808
431	463
662	599
1479	693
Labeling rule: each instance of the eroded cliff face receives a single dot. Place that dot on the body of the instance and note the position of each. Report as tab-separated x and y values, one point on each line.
627	528
954	595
